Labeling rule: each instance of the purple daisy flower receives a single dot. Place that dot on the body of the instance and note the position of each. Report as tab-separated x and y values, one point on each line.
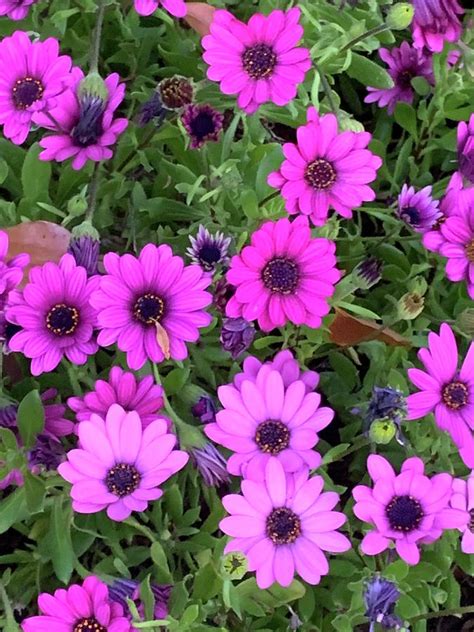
32	75
463	499
466	148
404	63
55	314
203	124
457	244
262	419
151	305
208	251
436	22
16	9
84	125
418	209
120	465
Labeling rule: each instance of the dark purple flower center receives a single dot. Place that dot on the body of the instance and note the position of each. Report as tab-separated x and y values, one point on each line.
470	251
89	126
203	125
122	479
283	526
89	624
404	79
281	275
26	91
209	254
272	436
455	395
149	309
411	215
259	61
62	320
320	174
404	513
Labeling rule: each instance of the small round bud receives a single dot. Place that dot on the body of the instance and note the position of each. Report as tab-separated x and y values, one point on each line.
77	206
367	273
176	92
410	305
85	230
234	565
400	16
93	86
347	123
382	431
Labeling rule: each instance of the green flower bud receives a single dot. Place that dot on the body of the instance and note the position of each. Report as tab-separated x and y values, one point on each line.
77	206
465	321
418	285
382	431
410	305
346	122
367	273
234	565
85	230
93	86
400	16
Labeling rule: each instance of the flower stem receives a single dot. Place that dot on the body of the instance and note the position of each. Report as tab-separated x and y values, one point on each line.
454	612
327	89
93	187
375	30
95	48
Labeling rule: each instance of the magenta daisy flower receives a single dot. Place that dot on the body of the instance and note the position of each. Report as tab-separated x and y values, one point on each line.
55	315
445	390
79	608
120	465
404	63
463	499
177	8
151	305
406	509
260	61
139	394
286	365
11	270
466	148
16	9
326	168
418	209
284	276
84	126
457	235
203	124
32	75
262	419
436	22
283	524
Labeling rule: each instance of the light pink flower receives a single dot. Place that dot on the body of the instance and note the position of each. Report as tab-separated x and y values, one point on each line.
463	498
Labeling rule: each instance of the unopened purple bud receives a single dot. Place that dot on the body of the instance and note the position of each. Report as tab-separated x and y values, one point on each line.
204	410
85	250
237	335
211	464
46	454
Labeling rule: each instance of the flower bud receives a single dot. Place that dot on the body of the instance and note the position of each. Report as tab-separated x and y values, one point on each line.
367	273
92	86
410	305
237	335
77	205
86	230
176	92
234	565
347	123
400	16
382	431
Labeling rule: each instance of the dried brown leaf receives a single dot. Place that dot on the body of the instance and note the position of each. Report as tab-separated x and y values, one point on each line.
348	330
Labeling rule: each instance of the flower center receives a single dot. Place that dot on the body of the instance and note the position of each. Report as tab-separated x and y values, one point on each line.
202	125
26	91
283	526
62	320
320	174
89	126
404	513
404	79
122	479
89	624
272	436
209	255
259	61
455	395
149	309
411	215
470	251
281	275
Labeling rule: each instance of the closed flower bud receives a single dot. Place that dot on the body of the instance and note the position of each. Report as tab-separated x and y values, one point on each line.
77	205
234	565
85	246
400	16
93	86
410	305
237	335
367	273
382	431
176	92
347	123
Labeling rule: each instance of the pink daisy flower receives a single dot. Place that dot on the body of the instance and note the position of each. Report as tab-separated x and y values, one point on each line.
465	138
151	305
447	391
32	75
262	419
286	365
55	315
283	524
326	168
177	8
260	61
84	126
463	499
16	9
11	270
120	465
457	234
436	22
139	394
283	276
79	608
406	509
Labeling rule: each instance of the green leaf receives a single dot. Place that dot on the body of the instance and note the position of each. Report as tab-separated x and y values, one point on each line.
8	439
160	560
30	417
34	491
13	509
369	73
405	116
35	175
62	553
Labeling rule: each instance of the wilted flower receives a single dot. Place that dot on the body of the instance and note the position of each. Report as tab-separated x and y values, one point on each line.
123	589
237	335
386	402
211	465
380	597
223	292
176	92
152	110
208	251
368	273
46	454
203	124
410	305
204	409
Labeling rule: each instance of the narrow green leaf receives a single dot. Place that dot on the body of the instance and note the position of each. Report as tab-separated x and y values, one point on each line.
62	553
369	73
34	491
30	417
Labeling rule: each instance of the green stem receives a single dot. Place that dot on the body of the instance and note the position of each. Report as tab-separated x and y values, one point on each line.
93	188
133	153
95	48
327	89
269	197
131	522
76	387
375	30
454	612
359	442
